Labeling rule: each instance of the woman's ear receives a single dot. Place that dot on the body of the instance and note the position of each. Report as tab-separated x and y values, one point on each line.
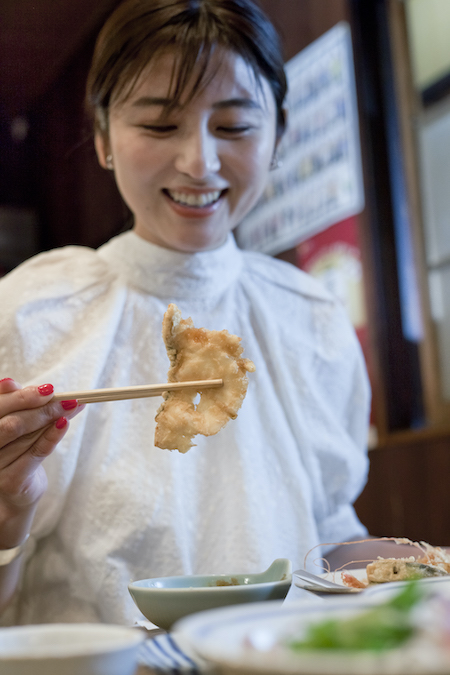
102	149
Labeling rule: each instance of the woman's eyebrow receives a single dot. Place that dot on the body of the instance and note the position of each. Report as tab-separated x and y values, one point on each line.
148	101
237	103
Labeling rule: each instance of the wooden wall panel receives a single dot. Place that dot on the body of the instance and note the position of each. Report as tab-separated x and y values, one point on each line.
300	22
407	494
77	200
37	39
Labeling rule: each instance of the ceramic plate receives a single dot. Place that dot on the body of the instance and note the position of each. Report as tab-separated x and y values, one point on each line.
335	577
383	589
254	641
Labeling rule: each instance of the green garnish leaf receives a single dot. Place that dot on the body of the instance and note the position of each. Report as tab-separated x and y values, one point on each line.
380	628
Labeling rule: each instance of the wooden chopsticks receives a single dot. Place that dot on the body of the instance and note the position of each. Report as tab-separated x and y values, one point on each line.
140	391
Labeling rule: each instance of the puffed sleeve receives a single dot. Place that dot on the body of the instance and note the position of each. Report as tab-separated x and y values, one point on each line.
59	315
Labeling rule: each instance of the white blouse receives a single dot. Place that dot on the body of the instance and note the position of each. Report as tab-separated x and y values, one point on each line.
273	483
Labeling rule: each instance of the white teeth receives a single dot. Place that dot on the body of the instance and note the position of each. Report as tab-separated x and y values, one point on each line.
195	199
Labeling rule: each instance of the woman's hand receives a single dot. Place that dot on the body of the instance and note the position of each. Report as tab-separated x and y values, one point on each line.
31	425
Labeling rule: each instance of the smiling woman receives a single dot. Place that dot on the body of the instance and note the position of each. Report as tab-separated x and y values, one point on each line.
192	131
190	173
187	101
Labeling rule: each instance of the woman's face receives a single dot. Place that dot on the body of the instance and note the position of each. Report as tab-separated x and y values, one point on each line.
190	177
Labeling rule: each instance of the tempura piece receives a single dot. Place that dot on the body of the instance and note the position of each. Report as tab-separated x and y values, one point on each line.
433	561
383	570
199	354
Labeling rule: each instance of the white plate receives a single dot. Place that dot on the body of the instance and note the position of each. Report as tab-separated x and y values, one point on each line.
359	573
336	577
251	640
372	589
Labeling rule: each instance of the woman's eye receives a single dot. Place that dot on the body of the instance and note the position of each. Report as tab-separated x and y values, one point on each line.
159	128
241	129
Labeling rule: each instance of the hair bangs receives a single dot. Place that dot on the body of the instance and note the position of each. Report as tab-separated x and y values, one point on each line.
141	31
192	45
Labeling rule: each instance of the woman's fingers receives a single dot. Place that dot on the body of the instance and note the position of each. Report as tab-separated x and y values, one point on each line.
13	397
42	442
28	451
7	384
22	479
49	438
29	410
25	424
31	425
30	422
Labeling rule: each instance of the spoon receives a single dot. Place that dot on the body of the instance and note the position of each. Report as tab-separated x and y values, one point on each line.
315	584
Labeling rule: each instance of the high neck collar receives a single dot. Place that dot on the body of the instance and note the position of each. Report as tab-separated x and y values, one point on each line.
172	274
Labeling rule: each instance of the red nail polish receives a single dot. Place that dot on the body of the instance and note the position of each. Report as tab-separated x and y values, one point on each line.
46	389
6	378
61	423
69	405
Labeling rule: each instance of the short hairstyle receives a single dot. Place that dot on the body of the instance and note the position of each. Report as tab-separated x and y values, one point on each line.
139	30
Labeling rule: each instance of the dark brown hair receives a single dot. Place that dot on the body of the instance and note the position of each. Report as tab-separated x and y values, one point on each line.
138	30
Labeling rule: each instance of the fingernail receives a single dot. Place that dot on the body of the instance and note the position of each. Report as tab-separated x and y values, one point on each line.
46	389
6	378
69	405
61	423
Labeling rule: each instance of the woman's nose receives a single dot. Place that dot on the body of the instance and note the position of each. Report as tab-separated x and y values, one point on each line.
198	155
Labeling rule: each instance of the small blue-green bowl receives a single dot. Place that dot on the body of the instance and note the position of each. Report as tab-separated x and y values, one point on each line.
166	599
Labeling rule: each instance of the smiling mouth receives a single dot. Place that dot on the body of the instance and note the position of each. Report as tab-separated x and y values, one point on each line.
200	200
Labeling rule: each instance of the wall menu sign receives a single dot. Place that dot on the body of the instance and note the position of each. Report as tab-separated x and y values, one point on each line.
320	180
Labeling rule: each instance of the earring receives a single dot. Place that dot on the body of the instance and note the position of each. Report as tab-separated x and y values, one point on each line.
109	162
275	163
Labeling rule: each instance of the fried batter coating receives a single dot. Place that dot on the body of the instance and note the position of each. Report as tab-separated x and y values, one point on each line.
199	354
